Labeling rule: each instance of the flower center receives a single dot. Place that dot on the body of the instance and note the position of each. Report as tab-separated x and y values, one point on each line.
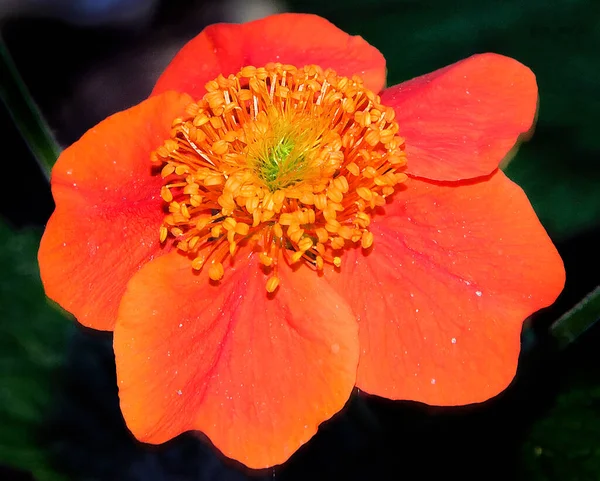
292	160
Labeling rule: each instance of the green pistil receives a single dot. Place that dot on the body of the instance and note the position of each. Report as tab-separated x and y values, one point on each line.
280	165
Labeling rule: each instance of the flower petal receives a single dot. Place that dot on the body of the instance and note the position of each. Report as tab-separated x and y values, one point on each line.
441	297
256	375
461	121
289	38
108	210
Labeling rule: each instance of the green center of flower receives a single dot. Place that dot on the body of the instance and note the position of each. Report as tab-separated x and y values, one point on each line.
293	161
280	159
277	168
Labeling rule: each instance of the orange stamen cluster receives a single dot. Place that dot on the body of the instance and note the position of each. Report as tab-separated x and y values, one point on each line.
293	160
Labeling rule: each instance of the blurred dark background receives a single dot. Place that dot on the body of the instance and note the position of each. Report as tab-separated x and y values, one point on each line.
82	60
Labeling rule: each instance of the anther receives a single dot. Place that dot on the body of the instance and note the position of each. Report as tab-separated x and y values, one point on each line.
272	283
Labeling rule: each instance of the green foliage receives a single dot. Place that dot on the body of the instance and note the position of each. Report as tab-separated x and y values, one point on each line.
562	189
579	319
32	344
26	115
565	443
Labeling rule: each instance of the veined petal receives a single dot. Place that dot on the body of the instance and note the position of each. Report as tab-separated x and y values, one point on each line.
441	297
108	210
256	374
461	121
289	38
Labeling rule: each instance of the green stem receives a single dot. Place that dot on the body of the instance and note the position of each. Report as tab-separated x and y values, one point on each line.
25	114
571	325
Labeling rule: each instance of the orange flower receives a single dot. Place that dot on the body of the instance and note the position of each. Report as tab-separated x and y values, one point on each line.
262	237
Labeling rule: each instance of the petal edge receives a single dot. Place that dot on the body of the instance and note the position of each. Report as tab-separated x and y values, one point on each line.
108	210
256	375
462	120
289	38
456	270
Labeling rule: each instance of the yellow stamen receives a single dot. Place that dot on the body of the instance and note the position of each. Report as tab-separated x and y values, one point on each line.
216	271
272	284
292	161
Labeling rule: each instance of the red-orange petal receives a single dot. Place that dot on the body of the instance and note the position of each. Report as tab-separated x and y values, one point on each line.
108	210
461	121
441	298
289	38
256	375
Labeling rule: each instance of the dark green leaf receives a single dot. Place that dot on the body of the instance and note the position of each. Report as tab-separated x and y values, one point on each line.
33	337
565	443
26	115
